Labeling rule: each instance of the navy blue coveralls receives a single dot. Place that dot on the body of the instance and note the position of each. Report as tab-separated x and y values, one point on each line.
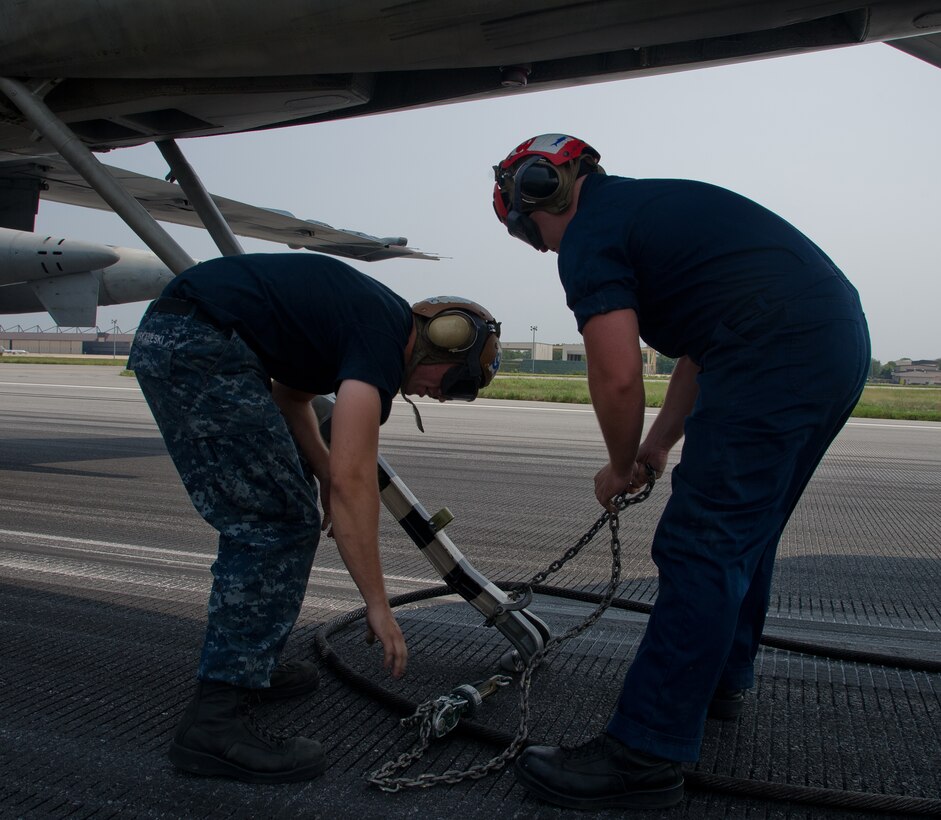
204	355
783	347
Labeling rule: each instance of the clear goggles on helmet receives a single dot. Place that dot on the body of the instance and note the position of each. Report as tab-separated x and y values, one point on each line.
463	381
535	182
460	383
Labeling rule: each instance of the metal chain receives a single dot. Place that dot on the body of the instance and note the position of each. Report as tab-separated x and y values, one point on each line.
384	777
621	502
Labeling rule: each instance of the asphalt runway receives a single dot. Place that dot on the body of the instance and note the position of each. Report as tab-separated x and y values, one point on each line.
104	573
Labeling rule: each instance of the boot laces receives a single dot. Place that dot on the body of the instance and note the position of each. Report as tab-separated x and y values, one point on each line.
261	731
595	747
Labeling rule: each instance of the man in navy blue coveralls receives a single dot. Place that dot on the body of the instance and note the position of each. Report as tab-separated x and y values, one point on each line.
772	354
229	359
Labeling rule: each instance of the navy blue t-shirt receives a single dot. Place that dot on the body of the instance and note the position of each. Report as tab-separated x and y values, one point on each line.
312	320
683	254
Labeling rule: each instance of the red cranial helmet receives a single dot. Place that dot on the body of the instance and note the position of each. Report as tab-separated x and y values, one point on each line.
539	175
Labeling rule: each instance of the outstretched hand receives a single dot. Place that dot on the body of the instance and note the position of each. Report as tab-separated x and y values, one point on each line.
382	626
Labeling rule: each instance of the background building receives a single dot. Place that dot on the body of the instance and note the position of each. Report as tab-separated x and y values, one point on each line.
65	343
921	371
557	358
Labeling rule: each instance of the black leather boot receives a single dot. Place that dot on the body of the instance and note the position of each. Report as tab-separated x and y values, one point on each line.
290	680
218	737
726	704
602	773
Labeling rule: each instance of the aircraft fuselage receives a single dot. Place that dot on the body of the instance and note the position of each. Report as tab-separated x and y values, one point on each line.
124	73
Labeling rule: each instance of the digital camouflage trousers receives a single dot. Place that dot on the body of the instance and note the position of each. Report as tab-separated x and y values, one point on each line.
212	401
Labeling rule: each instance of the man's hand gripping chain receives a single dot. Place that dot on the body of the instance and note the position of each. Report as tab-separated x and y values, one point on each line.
522	596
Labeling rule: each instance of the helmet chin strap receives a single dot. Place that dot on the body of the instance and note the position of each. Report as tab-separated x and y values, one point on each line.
421	426
419	353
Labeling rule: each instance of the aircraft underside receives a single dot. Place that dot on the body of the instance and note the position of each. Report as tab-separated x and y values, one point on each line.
174	69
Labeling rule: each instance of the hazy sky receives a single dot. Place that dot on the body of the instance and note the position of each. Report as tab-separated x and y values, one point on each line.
844	144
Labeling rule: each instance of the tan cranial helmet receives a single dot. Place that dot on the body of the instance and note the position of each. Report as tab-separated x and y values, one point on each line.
453	329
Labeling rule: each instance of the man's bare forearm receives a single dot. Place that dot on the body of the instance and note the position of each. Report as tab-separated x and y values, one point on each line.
678	403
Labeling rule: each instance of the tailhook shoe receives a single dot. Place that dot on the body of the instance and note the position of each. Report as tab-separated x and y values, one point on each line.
726	704
602	773
290	680
219	737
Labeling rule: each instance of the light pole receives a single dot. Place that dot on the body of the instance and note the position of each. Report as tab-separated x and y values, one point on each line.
534	328
114	340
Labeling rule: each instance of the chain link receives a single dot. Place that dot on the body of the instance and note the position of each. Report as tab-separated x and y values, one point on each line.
384	777
621	502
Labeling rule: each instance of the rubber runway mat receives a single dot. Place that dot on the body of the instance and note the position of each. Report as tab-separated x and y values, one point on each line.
91	703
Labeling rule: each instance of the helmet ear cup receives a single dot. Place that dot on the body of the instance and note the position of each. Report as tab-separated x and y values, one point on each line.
452	331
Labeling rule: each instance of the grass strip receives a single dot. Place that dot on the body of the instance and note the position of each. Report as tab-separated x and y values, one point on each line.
877	402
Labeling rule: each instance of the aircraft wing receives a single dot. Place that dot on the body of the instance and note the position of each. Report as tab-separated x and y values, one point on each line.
166	202
927	47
